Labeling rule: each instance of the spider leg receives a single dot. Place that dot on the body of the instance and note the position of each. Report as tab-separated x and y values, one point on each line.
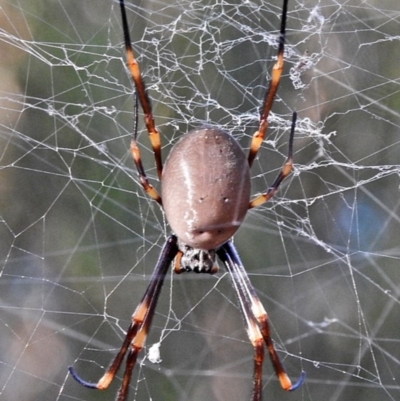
285	171
135	152
276	73
144	100
139	327
256	320
253	331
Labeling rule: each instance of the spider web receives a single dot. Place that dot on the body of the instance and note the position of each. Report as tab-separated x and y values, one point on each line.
79	238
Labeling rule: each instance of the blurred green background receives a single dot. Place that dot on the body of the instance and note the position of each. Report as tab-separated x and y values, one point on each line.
79	238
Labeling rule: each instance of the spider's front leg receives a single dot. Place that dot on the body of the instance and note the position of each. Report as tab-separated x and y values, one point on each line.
140	325
256	321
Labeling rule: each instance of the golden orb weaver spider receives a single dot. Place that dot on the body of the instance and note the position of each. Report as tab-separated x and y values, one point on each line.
204	210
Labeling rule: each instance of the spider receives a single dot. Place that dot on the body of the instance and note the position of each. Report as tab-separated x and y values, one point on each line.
205	196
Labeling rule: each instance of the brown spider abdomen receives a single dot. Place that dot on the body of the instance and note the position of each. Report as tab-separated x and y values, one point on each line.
206	188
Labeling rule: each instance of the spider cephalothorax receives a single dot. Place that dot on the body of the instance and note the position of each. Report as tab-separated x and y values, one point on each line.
195	260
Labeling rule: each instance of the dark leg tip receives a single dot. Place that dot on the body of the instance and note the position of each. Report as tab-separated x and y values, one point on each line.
299	382
80	381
